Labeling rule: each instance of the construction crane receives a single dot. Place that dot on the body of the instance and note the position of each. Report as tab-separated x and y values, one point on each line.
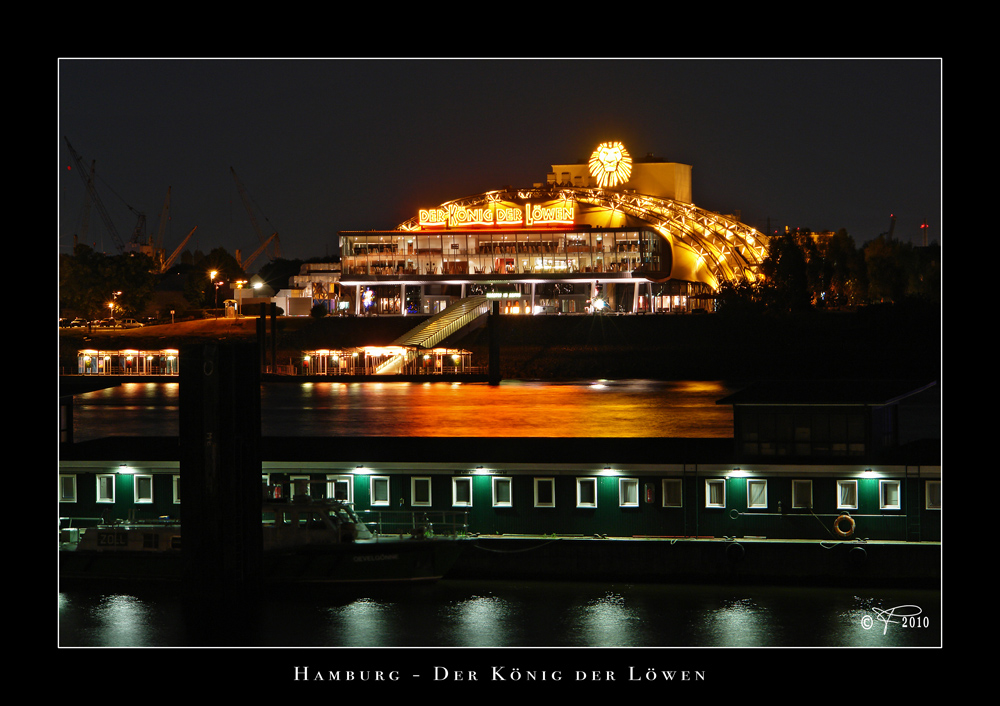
108	223
170	260
154	246
892	227
277	251
253	218
85	225
164	217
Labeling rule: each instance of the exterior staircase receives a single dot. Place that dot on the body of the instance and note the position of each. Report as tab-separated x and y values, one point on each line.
443	324
432	332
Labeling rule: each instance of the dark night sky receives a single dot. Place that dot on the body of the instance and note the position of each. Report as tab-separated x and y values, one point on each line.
328	145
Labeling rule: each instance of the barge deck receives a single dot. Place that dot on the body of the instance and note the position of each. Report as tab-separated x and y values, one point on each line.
703	559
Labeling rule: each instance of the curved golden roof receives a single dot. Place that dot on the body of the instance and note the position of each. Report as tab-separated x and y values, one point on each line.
705	246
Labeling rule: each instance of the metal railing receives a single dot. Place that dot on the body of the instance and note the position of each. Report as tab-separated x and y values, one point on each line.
433	523
443	324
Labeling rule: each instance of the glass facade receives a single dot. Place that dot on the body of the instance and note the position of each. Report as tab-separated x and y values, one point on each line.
502	252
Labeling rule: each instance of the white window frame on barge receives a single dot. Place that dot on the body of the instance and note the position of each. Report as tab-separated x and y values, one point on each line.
628	492
715	484
798	487
849	502
675	497
932	495
758	500
332	481
374	483
499	482
107	480
416	481
456	483
292	480
551	483
580	482
142	498
890	494
67	488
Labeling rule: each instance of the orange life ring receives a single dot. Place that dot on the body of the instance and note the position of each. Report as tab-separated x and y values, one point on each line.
836	525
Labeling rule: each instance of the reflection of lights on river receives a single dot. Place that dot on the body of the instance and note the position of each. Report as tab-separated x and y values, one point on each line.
739	623
119	621
604	408
363	623
859	626
607	622
480	621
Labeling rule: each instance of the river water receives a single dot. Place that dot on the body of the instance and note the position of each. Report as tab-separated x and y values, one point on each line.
464	614
452	614
603	408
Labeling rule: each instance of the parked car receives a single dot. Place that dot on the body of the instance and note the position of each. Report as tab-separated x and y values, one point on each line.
131	323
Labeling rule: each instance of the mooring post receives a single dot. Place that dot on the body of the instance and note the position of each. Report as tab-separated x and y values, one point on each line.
274	337
494	337
220	469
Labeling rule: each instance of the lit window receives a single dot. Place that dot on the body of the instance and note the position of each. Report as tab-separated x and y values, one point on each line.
502	492
847	495
143	488
420	492
106	488
715	492
628	492
67	489
586	492
177	490
802	493
672	492
756	494
461	491
888	493
932	491
340	488
379	488
545	492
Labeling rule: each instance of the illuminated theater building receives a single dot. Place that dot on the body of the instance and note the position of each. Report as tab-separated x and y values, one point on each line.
612	233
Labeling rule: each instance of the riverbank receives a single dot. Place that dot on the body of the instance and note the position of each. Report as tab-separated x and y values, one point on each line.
871	343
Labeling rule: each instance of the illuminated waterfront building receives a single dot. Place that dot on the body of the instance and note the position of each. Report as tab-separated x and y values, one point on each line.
612	232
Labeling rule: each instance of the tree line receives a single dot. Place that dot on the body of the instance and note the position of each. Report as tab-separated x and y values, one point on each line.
95	285
804	271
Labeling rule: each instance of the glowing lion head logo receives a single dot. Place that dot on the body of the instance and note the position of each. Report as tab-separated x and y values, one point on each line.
610	164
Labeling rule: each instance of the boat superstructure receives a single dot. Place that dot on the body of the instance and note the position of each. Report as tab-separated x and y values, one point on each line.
303	540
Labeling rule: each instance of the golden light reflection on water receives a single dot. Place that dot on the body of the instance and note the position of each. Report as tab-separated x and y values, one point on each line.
596	408
601	408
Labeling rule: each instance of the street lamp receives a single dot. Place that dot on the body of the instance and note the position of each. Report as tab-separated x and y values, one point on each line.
217	285
211	278
111	305
239	303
